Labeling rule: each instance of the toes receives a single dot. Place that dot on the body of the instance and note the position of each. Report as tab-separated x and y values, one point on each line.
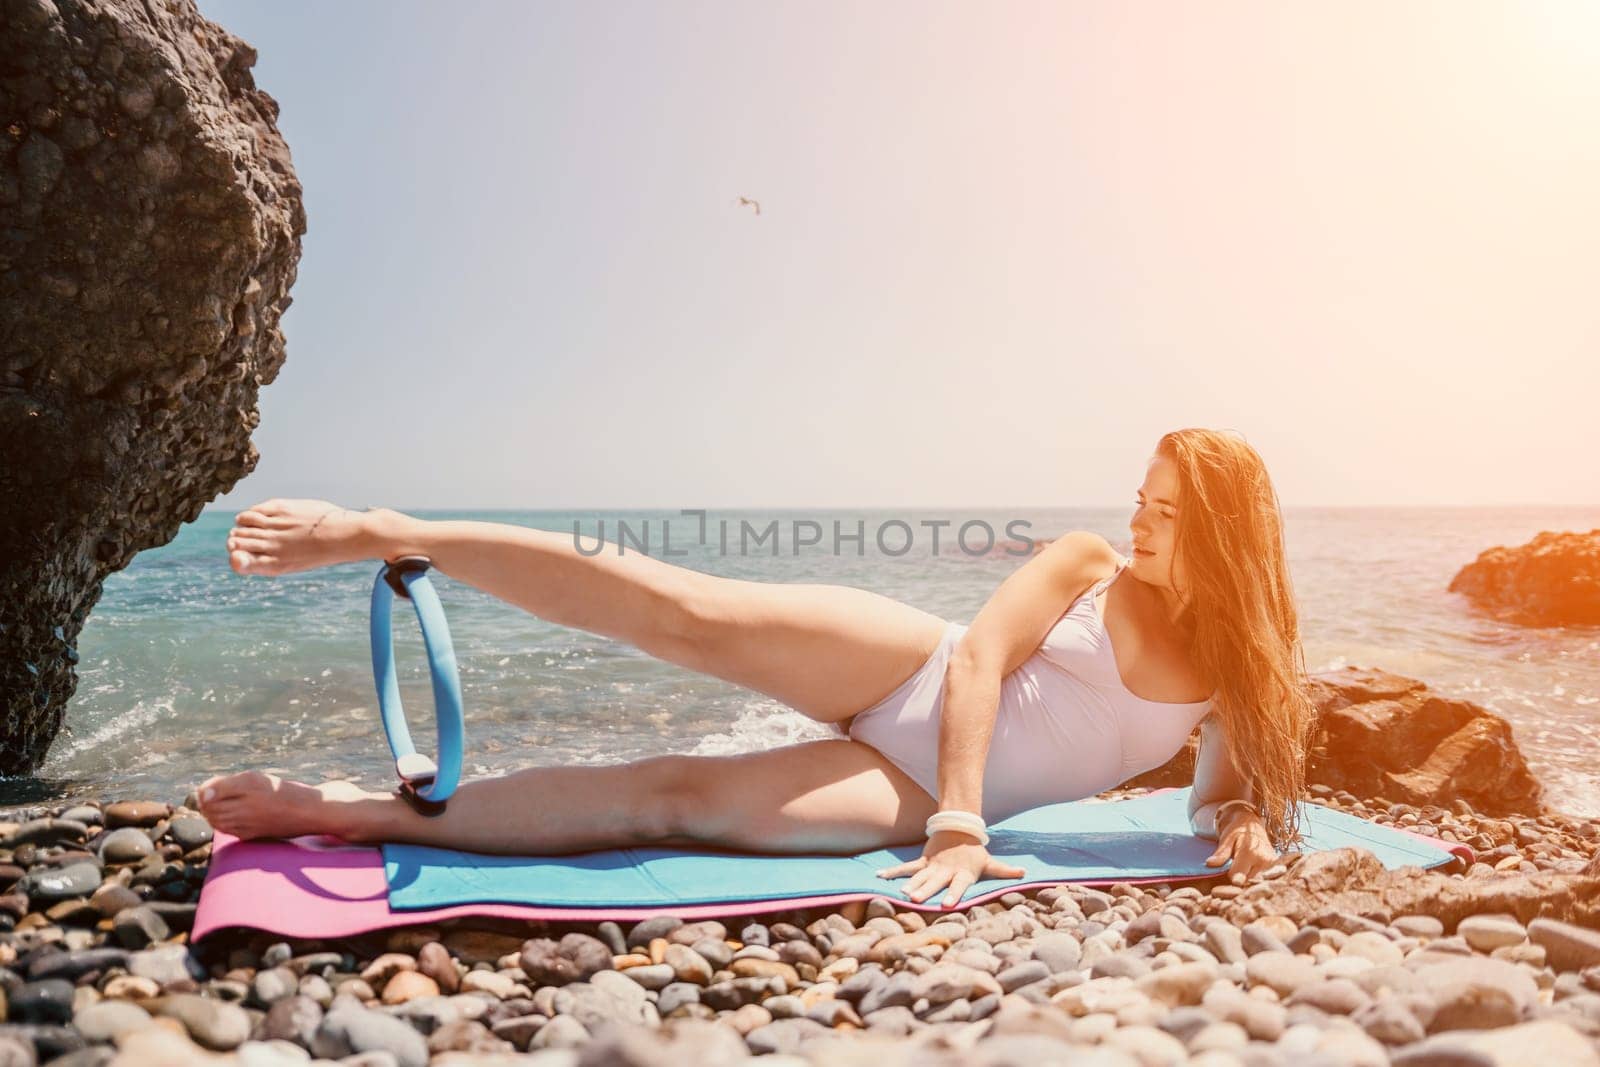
269	520
256	520
225	787
233	802
255	563
255	544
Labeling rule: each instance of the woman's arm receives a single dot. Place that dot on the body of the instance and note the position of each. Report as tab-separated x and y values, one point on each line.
1215	780
1242	836
1005	633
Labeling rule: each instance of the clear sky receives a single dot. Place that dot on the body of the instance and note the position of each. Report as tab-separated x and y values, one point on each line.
1001	249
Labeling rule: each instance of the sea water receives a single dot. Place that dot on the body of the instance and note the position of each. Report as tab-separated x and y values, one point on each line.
188	669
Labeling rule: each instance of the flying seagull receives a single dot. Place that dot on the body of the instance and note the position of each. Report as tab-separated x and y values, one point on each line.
745	201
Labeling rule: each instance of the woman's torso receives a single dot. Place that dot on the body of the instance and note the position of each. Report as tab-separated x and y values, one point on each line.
1070	726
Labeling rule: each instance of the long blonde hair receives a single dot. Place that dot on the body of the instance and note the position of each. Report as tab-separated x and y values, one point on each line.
1243	629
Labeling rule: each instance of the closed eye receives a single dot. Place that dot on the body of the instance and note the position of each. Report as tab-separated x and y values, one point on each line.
1163	514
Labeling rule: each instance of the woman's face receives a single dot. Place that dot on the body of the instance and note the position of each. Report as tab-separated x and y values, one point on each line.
1155	524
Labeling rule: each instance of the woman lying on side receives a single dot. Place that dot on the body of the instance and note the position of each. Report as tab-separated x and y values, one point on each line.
1083	669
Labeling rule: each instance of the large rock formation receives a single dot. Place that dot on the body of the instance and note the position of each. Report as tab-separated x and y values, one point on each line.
149	234
1553	580
1382	735
1379	735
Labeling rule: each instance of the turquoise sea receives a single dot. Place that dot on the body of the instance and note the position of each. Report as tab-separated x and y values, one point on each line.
188	669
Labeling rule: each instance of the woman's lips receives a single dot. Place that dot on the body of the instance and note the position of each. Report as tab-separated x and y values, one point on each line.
1137	551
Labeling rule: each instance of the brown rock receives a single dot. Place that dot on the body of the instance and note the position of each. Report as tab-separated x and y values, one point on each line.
1472	993
131	987
572	959
898	947
1387	736
152	224
749	967
1383	735
433	960
1566	947
688	965
112	898
689	933
748	1017
1178	984
135	813
386	967
1553	580
409	985
798	952
944	982
1354	882
77	912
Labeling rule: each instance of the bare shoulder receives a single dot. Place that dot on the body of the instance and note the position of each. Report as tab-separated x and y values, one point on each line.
1017	617
1078	559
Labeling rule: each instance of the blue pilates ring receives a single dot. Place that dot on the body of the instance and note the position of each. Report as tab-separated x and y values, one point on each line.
424	784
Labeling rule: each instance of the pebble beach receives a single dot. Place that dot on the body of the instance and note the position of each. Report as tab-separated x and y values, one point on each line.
96	967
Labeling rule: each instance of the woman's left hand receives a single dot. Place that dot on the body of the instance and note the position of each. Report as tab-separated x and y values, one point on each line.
1246	843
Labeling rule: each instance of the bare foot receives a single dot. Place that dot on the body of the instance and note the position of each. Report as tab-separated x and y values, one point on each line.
252	804
283	536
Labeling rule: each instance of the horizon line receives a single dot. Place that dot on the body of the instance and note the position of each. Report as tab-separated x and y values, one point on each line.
888	508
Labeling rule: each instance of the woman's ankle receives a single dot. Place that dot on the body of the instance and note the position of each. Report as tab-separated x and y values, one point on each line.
358	819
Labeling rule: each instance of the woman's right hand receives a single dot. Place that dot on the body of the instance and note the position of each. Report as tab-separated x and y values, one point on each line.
950	858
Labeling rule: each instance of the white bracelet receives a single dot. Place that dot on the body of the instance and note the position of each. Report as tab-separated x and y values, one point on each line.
1222	808
956	817
965	822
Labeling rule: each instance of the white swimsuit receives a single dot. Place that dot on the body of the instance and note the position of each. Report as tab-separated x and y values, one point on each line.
1066	727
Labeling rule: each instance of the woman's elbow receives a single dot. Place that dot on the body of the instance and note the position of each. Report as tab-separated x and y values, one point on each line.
967	664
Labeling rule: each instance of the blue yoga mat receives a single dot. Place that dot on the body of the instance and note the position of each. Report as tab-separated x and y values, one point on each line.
1145	837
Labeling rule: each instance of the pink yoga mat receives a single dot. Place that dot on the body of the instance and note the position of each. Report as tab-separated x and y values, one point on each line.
318	887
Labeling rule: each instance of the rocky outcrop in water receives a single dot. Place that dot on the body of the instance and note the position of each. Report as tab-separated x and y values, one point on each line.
1380	735
149	234
1553	580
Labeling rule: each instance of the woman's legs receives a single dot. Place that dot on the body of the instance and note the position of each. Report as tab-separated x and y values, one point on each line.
821	796
828	651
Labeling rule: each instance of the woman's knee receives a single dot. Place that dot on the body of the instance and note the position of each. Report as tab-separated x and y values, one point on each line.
815	796
672	797
691	616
